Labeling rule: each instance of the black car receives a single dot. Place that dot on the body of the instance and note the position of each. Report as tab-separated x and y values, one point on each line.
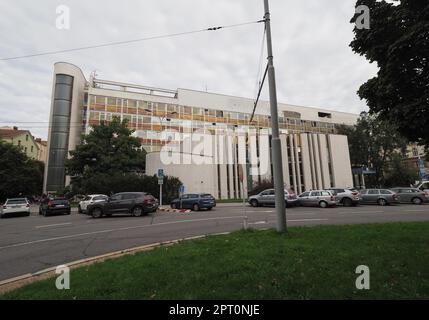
54	206
195	202
134	203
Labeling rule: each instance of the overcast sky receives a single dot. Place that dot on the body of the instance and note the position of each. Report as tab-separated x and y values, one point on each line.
314	63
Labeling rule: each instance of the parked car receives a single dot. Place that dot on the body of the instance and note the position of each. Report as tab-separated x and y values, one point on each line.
134	203
15	206
90	199
381	197
346	196
317	198
268	198
411	195
422	186
54	206
195	202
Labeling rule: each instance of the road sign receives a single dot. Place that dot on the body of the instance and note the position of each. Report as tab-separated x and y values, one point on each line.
160	181
182	189
160	173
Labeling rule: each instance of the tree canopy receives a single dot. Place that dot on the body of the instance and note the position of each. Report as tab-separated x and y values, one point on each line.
398	41
109	148
19	175
375	143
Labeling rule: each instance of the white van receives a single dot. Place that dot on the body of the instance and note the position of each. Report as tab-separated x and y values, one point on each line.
423	186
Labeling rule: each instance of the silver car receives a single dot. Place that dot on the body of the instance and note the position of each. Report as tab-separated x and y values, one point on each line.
346	196
268	198
92	198
411	195
318	198
382	197
15	206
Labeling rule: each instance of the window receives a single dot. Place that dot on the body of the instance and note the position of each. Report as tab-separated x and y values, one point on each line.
129	196
25	149
326	193
19	143
116	197
385	192
325	115
32	148
26	137
373	192
315	194
305	194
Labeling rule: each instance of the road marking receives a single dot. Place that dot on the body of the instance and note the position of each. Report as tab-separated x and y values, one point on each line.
360	212
303	220
53	225
417	210
113	230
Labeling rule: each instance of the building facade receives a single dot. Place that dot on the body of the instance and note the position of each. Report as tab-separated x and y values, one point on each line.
314	156
23	139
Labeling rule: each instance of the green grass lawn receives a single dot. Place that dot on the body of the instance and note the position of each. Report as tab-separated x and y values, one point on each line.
307	263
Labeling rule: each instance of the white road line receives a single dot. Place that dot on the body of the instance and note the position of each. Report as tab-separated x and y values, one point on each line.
417	210
360	212
53	225
303	220
113	230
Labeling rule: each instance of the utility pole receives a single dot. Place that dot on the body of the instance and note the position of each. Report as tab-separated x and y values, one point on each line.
275	142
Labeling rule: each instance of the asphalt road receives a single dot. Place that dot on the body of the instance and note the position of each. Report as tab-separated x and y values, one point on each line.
34	243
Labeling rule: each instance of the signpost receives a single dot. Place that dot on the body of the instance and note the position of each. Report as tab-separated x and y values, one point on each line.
160	182
422	169
181	192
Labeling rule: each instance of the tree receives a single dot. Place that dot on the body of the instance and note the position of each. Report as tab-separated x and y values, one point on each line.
19	175
372	143
398	41
109	148
398	174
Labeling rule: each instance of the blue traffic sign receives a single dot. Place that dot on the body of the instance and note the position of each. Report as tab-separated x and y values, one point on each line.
160	173
182	189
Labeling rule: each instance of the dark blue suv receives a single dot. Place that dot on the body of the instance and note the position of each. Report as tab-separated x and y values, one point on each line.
195	202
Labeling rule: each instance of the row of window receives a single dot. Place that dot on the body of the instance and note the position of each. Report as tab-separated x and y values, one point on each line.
125	106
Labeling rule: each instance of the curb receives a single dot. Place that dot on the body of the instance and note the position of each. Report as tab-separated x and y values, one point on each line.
20	281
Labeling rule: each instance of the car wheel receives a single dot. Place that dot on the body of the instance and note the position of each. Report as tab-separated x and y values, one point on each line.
69	212
347	202
254	203
382	202
417	201
173	206
137	211
79	209
196	207
323	204
97	213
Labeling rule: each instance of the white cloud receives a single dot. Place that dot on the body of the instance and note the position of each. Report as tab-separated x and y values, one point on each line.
314	65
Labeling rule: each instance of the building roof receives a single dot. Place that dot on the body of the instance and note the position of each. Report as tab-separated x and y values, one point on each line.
9	133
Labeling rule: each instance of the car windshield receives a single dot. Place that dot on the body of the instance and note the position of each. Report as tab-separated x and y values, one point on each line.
16	201
206	196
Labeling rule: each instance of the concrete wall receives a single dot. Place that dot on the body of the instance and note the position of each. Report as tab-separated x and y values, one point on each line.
340	161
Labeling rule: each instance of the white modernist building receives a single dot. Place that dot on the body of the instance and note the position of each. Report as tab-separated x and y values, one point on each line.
205	139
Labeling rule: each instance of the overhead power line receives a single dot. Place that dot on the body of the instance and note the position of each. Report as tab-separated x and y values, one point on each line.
110	44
